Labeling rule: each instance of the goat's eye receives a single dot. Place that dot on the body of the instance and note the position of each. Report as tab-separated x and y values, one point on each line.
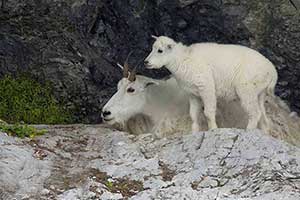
130	90
159	51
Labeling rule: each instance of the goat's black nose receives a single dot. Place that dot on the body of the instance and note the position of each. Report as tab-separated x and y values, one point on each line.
106	113
146	62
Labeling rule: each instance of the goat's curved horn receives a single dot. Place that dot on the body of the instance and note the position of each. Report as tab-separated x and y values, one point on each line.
153	36
126	66
132	75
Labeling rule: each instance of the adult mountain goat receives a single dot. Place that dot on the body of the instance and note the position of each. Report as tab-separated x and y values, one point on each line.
136	108
213	71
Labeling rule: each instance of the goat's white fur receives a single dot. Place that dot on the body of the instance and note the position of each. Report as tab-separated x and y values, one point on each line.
210	71
152	112
163	109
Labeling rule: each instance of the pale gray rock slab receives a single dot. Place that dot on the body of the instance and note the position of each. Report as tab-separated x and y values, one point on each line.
21	174
96	162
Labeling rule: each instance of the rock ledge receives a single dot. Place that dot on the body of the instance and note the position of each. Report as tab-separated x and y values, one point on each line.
95	162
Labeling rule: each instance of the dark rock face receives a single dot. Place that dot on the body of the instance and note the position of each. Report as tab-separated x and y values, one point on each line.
75	44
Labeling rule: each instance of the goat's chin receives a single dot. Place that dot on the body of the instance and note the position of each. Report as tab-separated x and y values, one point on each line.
153	66
109	122
157	66
121	126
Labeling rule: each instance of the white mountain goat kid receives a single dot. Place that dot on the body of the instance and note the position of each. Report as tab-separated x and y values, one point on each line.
210	71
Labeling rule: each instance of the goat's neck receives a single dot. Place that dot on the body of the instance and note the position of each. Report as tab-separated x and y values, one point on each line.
181	51
155	106
153	114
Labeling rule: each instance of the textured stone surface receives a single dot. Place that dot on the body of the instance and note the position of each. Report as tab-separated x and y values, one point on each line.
94	162
21	173
75	44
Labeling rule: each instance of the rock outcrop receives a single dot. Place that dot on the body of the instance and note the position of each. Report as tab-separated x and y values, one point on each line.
95	162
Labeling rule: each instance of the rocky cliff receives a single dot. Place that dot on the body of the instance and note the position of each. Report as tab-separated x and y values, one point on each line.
74	44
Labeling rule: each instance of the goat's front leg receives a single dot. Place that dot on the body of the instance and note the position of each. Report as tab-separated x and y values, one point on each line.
210	106
195	109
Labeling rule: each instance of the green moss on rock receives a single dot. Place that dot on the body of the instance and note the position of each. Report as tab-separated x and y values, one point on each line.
21	131
23	99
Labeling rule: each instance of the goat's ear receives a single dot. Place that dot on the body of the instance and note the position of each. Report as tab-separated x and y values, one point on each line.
151	83
121	66
153	36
